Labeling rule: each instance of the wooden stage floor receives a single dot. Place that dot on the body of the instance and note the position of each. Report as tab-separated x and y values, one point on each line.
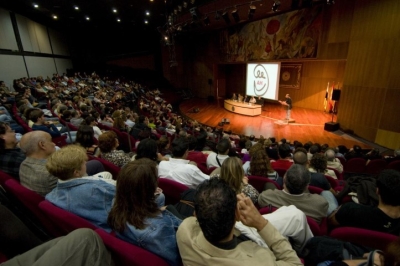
308	126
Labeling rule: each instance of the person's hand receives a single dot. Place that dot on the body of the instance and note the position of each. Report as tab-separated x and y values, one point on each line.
245	180
248	214
158	191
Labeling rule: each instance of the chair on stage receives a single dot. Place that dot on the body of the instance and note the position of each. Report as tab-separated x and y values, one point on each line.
125	253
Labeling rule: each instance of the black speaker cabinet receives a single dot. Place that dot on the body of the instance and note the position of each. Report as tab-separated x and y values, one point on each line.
336	95
331	126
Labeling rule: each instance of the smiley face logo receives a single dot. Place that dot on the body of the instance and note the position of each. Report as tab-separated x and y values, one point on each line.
261	80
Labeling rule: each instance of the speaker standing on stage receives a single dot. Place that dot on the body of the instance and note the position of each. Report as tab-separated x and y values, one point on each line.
288	103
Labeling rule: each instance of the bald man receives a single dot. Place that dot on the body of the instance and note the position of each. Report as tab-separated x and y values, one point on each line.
38	146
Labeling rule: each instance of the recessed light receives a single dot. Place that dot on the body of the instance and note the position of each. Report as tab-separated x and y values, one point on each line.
114	10
76	7
147	13
87	18
146	22
55	17
118	20
35	5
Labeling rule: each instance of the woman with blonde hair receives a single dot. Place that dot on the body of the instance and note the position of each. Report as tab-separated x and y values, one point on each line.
119	120
232	172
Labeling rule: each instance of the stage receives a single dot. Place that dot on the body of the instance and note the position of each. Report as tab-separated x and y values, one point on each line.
309	125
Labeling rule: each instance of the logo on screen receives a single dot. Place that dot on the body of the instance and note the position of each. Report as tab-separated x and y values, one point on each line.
261	81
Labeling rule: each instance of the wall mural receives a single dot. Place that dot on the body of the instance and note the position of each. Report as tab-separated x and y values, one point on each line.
288	36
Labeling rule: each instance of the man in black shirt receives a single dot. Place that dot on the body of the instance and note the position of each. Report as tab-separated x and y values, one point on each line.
383	218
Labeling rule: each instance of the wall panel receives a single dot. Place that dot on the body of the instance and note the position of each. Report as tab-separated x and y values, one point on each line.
11	67
7	36
40	66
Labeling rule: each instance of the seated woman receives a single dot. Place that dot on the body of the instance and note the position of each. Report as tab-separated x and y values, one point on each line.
91	121
232	172
137	218
260	165
119	120
108	143
85	138
318	164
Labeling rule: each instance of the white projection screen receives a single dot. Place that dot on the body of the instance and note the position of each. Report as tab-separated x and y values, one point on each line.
262	79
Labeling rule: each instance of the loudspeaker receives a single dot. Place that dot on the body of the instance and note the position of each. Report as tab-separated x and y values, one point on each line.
331	126
336	95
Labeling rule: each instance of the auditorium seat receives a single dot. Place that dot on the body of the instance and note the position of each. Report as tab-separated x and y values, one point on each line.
125	253
355	166
364	237
394	165
172	190
64	221
4	177
374	167
30	200
258	182
338	175
108	166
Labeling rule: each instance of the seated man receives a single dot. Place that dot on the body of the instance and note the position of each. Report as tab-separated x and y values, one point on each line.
179	169
89	197
295	184
216	159
11	156
285	157
384	218
38	146
333	162
37	117
210	237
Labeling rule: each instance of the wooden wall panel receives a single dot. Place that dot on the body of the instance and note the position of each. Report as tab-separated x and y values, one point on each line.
388	139
390	111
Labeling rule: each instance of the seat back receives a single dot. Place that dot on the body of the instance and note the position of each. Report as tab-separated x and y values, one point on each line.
172	190
315	190
125	253
338	175
60	141
394	165
4	177
364	237
374	167
64	221
108	166
355	165
258	182
281	172
30	200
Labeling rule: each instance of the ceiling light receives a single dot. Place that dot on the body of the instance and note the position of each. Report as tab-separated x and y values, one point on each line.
276	5
252	10
235	15
225	16
35	5
87	18
118	20
147	13
330	2
76	7
146	22
55	17
115	10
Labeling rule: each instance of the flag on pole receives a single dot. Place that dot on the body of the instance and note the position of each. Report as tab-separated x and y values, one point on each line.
326	97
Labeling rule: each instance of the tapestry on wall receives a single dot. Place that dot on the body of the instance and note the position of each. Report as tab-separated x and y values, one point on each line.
287	36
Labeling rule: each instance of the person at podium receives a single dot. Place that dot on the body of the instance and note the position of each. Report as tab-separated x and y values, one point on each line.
252	100
240	98
234	97
288	104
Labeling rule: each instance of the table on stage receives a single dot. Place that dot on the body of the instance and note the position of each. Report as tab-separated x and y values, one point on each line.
242	108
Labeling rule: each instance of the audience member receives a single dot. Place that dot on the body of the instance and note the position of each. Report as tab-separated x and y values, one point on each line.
319	163
11	156
332	161
108	143
216	159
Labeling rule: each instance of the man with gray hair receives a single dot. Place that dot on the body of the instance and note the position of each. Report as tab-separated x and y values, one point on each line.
333	162
295	184
38	146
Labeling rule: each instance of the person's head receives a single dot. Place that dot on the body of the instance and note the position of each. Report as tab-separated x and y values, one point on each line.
330	155
90	120
7	137
260	164
256	147
232	172
215	208
37	116
392	253
134	197
192	141
147	148
108	141
296	179
300	157
319	162
396	153
357	149
284	151
287	95
67	163
37	143
223	146
388	186
314	149
342	149
180	149
84	136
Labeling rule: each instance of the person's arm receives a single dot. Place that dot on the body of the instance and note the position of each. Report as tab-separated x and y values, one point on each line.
332	218
279	245
198	176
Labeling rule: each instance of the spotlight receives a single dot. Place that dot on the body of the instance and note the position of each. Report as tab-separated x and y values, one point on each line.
276	5
252	10
206	20
235	15
330	2
225	16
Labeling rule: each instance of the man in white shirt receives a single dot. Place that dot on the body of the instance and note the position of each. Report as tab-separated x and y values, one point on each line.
181	170
216	160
